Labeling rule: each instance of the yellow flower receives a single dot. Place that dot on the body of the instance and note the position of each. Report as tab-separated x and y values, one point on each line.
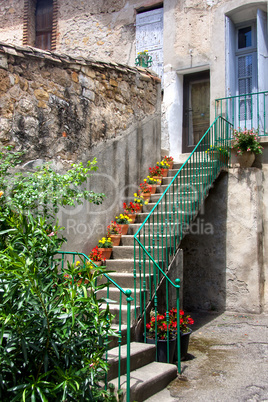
135	195
146	202
145	179
77	263
1	193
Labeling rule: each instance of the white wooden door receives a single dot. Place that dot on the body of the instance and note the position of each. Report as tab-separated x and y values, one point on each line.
149	36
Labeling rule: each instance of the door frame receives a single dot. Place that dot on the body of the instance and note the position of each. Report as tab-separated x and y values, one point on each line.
187	79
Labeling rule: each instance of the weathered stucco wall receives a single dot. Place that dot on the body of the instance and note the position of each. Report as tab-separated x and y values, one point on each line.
63	111
11	21
225	251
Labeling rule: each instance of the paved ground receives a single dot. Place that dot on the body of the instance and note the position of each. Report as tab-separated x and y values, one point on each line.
227	361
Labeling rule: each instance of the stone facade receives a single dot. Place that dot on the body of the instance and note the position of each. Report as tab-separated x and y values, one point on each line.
55	107
195	39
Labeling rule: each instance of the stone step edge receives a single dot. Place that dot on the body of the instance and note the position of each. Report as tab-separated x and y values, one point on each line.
147	380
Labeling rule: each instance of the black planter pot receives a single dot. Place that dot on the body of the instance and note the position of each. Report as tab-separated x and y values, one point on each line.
184	340
162	349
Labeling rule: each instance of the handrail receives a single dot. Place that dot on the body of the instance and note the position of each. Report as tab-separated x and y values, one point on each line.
129	299
157	239
246	110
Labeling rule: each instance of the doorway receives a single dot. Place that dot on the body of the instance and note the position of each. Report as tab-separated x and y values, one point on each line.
196	109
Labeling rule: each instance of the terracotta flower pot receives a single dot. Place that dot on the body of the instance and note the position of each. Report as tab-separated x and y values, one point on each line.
165	172
124	228
170	164
115	239
153	188
106	252
98	263
132	217
158	178
146	196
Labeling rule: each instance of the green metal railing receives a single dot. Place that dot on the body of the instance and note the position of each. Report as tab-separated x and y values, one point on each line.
245	111
73	257
158	238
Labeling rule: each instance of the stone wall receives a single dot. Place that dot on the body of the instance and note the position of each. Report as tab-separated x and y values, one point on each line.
60	109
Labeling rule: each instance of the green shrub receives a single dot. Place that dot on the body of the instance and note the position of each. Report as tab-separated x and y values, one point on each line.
53	331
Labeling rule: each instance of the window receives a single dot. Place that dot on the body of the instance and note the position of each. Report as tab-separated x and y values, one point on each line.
40	23
43	24
246	71
244	37
149	36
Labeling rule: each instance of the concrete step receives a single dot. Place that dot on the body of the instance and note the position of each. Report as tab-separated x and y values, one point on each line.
122	330
115	310
141	355
126	266
147	380
126	279
127	252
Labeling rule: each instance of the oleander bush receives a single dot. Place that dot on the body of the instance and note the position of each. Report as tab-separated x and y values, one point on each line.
53	330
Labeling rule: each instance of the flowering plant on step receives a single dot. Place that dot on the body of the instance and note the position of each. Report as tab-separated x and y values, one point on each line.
113	229
95	255
123	219
163	164
156	171
140	200
145	187
152	181
105	242
131	208
246	140
168	158
160	324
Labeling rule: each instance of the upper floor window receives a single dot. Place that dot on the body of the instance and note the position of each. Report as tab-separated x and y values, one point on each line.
40	23
244	37
43	24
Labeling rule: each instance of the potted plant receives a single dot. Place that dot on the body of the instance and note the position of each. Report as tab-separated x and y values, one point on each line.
114	233
140	200
143	59
153	182
105	246
169	160
220	153
96	256
131	210
145	190
185	331
156	172
123	221
245	143
158	325
164	166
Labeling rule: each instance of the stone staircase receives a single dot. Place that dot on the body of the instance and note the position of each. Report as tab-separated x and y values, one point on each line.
147	377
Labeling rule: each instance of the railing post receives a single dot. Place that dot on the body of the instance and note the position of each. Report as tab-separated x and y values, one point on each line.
129	300
177	282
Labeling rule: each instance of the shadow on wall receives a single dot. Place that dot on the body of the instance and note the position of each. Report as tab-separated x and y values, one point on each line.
204	247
